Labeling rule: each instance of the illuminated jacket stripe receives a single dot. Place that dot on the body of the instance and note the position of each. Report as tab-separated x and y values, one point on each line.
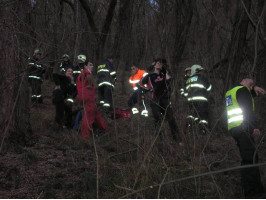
197	98
36	77
195	85
105	83
235	115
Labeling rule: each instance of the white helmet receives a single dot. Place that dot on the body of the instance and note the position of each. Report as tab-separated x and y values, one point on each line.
82	58
188	69
196	69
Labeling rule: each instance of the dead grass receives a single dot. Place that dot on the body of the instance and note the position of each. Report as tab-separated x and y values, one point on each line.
62	164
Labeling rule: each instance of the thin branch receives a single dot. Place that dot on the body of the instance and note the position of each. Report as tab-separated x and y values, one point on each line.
195	176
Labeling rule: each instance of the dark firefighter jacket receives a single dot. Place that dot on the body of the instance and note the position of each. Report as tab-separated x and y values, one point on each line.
106	74
35	69
197	87
68	88
64	65
77	70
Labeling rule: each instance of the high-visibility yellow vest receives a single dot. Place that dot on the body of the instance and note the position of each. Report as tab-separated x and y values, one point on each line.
234	112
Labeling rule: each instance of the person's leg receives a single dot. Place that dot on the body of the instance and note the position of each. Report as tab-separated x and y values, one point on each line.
171	120
34	91
141	102
99	122
101	95
250	177
88	119
58	101
39	91
156	112
132	101
202	110
108	99
68	115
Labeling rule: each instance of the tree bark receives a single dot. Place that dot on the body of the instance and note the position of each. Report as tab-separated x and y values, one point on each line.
14	98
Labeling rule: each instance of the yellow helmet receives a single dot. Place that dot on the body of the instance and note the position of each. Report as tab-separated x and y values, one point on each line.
82	58
196	68
37	51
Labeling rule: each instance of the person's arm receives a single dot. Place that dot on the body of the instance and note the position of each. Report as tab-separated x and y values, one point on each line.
112	71
258	90
144	83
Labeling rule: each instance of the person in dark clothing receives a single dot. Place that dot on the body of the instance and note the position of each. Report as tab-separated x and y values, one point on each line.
158	83
197	88
79	67
106	80
242	125
63	96
66	63
36	70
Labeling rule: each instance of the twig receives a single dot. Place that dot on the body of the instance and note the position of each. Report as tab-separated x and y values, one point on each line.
195	176
160	186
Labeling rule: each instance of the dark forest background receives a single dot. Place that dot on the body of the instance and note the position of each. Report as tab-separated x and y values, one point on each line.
228	38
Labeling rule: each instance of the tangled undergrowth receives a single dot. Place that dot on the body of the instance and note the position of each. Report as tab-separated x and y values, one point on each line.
130	161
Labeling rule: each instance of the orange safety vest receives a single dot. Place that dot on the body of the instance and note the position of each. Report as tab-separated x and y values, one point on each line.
134	79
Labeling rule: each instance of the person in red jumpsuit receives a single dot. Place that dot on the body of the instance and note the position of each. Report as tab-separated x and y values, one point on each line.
86	96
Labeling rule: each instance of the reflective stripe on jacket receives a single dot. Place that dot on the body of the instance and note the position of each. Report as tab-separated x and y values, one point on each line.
196	88
235	115
106	74
134	79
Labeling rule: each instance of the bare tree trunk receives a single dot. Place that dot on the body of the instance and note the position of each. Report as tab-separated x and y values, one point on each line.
237	46
14	98
78	30
121	39
102	35
184	14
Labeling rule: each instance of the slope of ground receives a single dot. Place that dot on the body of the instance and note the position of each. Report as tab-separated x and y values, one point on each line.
62	164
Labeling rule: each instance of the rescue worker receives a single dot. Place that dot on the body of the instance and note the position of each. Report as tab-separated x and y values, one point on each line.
79	67
66	63
106	80
86	96
187	74
197	88
63	97
36	70
138	93
158	83
243	126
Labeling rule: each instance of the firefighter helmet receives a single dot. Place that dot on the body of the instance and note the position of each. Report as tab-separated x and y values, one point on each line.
82	58
37	51
65	56
196	68
187	69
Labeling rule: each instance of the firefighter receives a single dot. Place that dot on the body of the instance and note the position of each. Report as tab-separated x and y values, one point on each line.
106	80
79	67
86	96
187	74
66	63
197	88
36	70
63	97
138	93
158	82
243	126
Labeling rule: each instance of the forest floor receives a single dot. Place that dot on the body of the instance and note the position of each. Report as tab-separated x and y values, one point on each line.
62	164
